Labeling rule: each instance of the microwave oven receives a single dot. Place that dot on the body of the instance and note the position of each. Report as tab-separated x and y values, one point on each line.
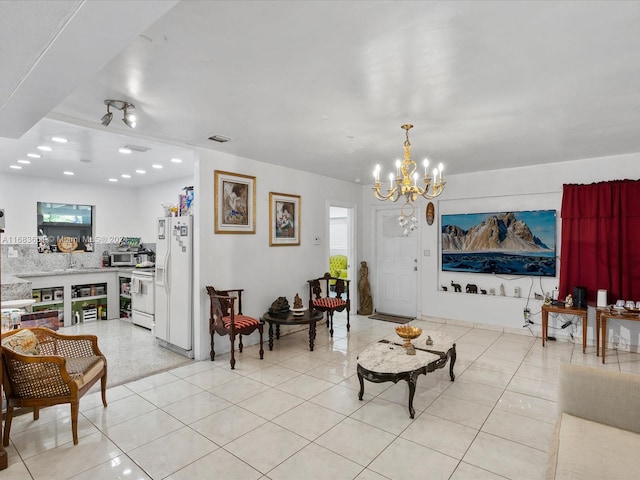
123	259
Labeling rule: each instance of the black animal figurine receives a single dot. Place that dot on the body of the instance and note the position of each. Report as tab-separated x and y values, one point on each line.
483	291
444	289
456	287
471	288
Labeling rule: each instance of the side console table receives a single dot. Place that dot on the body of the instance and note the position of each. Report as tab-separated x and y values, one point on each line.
580	312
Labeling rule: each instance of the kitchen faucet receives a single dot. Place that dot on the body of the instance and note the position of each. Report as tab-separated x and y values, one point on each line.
72	262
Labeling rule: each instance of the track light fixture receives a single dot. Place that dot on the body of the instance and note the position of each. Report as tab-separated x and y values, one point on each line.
106	118
128	117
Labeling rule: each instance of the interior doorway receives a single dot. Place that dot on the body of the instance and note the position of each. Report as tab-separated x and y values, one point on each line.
341	241
396	266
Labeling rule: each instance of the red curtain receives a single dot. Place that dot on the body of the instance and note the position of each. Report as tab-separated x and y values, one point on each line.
601	239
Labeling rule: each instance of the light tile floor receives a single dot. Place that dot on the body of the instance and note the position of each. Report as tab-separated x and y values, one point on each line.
296	414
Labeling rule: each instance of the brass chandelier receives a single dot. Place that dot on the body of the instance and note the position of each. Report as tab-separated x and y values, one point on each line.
406	185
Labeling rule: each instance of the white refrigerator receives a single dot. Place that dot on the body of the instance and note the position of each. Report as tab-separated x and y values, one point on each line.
174	284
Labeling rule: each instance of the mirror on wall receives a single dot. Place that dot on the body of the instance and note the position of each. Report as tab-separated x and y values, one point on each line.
64	227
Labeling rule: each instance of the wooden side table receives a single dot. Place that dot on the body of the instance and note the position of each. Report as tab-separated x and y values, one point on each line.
580	312
310	317
601	325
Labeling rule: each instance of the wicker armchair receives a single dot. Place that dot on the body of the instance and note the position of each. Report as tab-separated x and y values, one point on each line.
53	369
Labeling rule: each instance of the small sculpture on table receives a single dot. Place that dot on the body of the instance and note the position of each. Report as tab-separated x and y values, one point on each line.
298	308
568	302
280	306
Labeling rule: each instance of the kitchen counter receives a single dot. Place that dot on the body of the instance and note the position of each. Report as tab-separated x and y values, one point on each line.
73	271
18	285
15	288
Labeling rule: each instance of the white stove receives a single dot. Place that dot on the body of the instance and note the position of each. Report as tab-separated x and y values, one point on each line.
143	298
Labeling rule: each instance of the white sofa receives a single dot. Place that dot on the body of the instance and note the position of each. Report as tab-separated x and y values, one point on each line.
598	430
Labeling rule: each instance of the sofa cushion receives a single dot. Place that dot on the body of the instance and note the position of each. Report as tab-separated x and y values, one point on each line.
24	342
583	449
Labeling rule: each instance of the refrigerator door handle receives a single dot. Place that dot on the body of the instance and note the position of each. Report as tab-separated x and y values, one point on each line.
167	277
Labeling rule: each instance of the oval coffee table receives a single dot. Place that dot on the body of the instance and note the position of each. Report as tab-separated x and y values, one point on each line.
288	318
386	361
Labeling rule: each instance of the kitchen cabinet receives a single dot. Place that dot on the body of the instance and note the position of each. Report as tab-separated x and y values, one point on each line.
124	282
89	302
49	299
90	294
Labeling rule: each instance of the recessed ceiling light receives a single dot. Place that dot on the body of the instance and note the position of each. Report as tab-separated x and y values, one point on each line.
155	165
59	139
124	150
176	160
113	180
24	162
15	167
68	173
44	148
85	160
34	155
125	175
141	171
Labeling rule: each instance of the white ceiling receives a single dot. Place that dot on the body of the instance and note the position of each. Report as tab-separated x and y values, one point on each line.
321	86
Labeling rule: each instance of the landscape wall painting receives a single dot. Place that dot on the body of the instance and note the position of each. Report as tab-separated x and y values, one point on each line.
510	243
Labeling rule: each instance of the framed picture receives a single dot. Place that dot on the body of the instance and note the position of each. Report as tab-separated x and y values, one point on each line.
505	243
284	219
235	202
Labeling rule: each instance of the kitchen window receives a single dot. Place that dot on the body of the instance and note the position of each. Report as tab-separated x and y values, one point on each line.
58	221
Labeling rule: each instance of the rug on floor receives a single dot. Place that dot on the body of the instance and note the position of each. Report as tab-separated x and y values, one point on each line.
391	318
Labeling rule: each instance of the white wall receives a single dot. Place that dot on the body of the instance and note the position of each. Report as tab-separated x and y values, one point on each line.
247	261
149	204
114	213
529	188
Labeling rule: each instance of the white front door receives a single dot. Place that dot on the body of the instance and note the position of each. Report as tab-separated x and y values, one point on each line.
396	266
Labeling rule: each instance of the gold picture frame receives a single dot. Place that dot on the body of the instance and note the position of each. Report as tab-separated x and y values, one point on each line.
284	219
235	202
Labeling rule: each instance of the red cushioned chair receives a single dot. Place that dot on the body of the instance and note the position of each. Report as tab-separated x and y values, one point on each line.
320	299
224	320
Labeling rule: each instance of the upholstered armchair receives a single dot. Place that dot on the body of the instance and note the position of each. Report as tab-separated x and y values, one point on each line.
44	368
338	267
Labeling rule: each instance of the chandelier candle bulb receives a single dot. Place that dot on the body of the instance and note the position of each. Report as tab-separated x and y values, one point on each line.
426	165
441	168
390	181
398	163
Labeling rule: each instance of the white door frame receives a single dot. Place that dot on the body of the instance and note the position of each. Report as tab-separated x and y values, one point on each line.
420	212
351	243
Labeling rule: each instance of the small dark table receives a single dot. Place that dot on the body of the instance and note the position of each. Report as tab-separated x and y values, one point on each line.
288	318
387	361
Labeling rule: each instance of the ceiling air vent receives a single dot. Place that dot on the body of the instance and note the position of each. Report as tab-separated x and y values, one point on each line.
219	138
137	148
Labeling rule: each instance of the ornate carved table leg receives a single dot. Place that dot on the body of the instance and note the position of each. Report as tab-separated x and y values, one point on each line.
278	331
452	361
361	380
270	336
412	380
312	334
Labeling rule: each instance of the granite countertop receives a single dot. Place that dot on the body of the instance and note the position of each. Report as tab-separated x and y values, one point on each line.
22	277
